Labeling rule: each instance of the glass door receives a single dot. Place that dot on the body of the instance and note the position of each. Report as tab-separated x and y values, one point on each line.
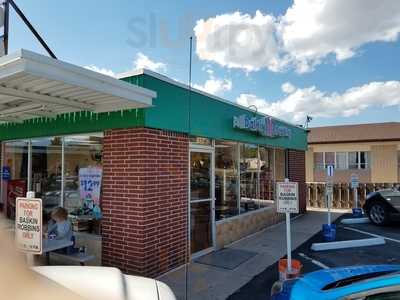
201	201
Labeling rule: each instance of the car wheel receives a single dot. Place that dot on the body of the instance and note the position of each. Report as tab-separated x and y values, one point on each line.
378	213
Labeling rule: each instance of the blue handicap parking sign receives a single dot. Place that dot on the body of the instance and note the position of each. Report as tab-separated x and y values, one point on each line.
6	173
329	170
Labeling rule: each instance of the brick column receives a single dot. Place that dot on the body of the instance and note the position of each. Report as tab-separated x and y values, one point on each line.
144	200
297	172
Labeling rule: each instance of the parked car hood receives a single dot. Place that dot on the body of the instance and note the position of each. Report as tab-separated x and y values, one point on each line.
106	283
320	279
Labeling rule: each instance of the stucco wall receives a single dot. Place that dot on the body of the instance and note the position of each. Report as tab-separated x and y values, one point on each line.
384	163
341	176
383	167
310	166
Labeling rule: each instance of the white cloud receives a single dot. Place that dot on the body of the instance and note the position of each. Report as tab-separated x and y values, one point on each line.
213	85
312	29
144	62
288	88
100	70
301	102
238	41
303	37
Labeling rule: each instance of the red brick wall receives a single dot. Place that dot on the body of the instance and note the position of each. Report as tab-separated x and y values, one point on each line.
297	172
144	200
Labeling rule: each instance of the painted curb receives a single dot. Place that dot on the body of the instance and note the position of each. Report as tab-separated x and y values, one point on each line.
355	221
347	244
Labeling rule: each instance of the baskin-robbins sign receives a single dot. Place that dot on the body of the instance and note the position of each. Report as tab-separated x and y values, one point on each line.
265	126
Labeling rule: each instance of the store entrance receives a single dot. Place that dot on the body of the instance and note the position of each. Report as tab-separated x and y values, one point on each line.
202	203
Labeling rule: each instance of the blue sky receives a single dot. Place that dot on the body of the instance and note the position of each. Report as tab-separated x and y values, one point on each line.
114	35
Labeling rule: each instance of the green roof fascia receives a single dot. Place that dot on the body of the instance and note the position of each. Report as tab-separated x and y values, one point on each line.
72	123
209	117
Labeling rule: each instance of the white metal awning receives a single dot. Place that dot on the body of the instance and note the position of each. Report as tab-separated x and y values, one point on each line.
33	85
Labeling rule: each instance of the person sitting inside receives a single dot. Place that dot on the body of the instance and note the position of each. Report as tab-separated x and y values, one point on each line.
59	227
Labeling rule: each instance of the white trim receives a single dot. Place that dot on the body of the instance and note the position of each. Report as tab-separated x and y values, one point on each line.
82	77
185	86
209	150
42	99
61	87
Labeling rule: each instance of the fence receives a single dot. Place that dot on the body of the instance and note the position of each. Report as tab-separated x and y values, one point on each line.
343	194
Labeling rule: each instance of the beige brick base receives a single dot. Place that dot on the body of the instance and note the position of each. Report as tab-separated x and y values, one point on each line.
235	228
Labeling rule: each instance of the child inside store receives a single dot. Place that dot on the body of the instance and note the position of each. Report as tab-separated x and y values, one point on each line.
59	227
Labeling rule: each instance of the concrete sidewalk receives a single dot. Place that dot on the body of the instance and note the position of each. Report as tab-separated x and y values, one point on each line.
208	282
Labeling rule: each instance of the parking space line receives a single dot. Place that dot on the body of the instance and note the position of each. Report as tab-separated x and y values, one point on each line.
372	234
315	262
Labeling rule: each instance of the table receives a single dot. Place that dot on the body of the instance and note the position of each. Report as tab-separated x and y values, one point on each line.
52	245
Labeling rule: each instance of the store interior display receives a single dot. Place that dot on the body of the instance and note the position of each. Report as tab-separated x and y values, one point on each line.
57	165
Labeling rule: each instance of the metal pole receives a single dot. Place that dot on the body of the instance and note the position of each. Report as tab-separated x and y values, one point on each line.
29	179
288	244
356	197
62	171
6	25
188	250
328	197
31	28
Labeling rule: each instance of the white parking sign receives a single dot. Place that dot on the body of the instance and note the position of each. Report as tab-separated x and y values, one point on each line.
28	225
354	181
287	197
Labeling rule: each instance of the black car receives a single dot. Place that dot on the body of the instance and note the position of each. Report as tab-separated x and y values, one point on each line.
382	206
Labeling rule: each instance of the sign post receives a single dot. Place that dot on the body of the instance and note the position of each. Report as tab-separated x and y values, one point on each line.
288	202
329	190
355	181
28	226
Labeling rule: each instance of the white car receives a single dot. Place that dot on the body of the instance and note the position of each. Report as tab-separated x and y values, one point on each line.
106	283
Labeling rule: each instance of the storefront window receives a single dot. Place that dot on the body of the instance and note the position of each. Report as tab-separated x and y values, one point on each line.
280	165
82	155
249	175
14	177
47	170
267	183
200	176
64	171
226	179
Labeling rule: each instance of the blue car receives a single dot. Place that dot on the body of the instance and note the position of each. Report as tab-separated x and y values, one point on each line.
376	282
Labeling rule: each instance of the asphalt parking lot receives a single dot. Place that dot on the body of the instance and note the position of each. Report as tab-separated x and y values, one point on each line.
260	286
